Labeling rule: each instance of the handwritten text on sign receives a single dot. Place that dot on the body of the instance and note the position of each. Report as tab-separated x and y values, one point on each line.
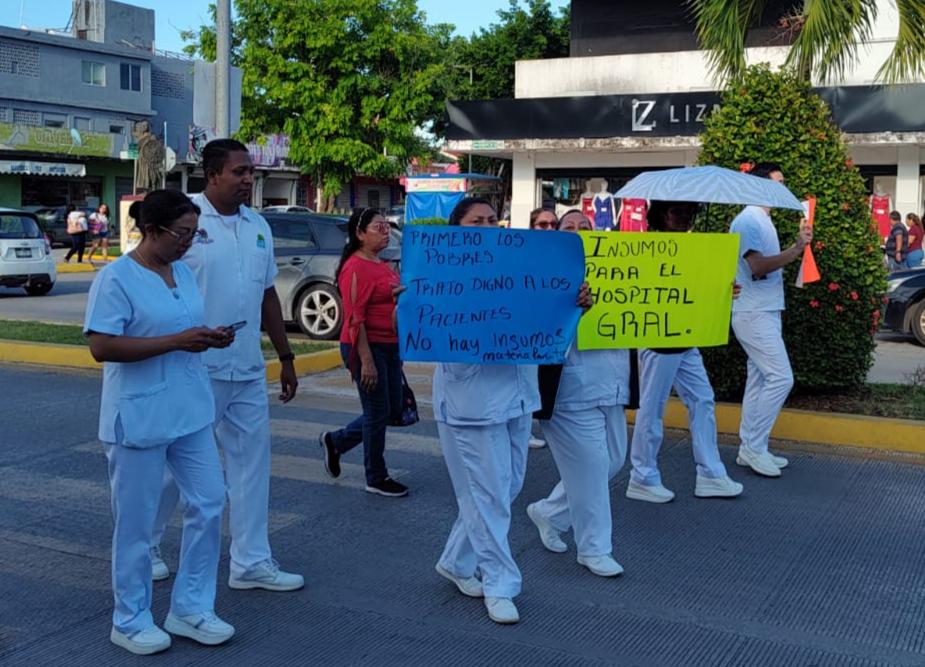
658	289
487	295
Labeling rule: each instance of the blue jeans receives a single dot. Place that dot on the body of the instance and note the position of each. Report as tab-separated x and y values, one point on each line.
380	406
914	258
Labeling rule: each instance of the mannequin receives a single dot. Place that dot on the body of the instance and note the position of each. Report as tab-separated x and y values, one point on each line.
605	213
633	215
880	206
587	201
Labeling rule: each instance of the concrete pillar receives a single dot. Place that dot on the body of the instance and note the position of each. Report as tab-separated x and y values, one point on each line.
907	180
523	189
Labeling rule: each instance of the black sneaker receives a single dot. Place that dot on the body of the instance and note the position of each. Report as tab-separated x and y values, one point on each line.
388	487
331	457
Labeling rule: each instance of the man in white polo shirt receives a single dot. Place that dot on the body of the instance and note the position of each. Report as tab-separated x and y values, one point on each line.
234	268
756	320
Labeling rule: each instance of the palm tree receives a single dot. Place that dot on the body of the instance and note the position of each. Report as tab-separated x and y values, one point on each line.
827	36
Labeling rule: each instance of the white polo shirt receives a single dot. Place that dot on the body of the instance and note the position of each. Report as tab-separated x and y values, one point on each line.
234	267
757	234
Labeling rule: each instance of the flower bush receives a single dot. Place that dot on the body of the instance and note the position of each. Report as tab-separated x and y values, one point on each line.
829	325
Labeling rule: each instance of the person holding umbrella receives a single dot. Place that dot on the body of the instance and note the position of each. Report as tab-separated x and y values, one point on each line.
756	321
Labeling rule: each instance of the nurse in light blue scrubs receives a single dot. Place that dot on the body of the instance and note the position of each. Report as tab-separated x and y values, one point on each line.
144	322
587	437
483	415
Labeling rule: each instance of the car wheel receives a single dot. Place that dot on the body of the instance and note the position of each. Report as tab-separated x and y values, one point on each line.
318	312
918	322
39	290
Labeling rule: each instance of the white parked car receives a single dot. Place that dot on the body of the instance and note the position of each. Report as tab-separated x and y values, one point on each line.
25	254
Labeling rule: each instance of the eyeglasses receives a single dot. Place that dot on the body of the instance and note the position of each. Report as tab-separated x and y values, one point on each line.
200	233
544	224
381	227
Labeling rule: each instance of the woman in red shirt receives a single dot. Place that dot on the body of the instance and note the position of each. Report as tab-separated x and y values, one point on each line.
915	256
369	345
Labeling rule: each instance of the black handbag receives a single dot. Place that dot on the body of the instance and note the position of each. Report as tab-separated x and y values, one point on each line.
409	406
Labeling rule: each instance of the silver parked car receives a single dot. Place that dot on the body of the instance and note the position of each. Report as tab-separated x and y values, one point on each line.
307	249
286	209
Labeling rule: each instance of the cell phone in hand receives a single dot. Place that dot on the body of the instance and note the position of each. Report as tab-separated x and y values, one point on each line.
237	326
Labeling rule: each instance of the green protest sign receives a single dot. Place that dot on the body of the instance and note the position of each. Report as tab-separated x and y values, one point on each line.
658	290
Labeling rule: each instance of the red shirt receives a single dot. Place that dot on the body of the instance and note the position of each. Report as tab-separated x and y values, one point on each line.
633	217
366	292
917	231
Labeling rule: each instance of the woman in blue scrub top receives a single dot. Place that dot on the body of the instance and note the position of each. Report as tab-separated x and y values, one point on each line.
587	436
682	368
144	322
483	415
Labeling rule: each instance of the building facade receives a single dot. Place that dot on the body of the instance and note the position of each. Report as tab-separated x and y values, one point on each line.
634	94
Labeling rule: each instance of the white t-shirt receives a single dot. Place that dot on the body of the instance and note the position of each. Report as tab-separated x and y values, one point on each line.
757	234
234	266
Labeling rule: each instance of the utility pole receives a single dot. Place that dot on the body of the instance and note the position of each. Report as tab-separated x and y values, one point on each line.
223	68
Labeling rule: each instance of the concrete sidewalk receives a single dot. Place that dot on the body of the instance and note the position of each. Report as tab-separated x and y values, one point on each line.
820	567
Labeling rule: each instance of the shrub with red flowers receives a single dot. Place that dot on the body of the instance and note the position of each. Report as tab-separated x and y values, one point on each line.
828	325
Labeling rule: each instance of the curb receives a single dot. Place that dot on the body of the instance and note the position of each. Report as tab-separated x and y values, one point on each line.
78	356
75	268
825	428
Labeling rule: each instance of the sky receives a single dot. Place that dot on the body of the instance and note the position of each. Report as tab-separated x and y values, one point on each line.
172	16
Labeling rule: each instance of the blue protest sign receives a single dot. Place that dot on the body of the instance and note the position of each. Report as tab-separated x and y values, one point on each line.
483	295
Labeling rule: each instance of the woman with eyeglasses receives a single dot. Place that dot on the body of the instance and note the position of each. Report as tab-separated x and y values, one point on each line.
483	415
144	321
586	429
544	219
369	346
682	368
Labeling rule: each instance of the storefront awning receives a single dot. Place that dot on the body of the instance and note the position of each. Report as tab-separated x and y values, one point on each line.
32	168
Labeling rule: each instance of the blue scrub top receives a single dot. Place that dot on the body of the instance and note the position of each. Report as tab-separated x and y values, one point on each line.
152	402
480	395
593	379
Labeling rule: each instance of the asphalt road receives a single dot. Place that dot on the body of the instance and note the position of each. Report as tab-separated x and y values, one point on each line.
895	358
820	567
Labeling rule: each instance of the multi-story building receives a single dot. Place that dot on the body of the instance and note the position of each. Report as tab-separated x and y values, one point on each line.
71	104
635	91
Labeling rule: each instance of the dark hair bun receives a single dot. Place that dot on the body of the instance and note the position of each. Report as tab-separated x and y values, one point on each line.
135	210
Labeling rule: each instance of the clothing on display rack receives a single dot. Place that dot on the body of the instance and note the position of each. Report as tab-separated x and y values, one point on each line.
633	215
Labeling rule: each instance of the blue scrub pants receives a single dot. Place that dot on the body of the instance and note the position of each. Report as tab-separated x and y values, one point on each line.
589	448
769	376
242	429
657	373
487	466
136	476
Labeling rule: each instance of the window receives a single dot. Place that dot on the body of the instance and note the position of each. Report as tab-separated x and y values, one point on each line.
52	120
130	77
291	234
93	74
81	124
16	227
26	117
117	129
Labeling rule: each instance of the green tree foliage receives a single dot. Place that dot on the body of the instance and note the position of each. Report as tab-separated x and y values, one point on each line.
829	325
349	81
827	36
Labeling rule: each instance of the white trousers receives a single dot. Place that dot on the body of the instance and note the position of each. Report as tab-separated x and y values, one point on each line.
487	466
242	429
657	373
136	476
769	376
589	448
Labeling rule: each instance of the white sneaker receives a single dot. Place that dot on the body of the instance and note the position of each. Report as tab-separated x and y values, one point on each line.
537	443
549	536
779	461
501	610
762	463
145	642
205	628
159	569
268	576
650	494
470	586
602	566
721	487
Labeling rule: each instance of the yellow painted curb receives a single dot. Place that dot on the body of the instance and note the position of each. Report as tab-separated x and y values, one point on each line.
75	268
827	428
305	364
78	356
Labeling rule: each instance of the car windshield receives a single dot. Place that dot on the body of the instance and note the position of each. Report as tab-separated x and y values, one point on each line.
18	227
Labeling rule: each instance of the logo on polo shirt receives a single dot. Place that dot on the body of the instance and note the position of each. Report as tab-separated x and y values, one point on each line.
261	241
